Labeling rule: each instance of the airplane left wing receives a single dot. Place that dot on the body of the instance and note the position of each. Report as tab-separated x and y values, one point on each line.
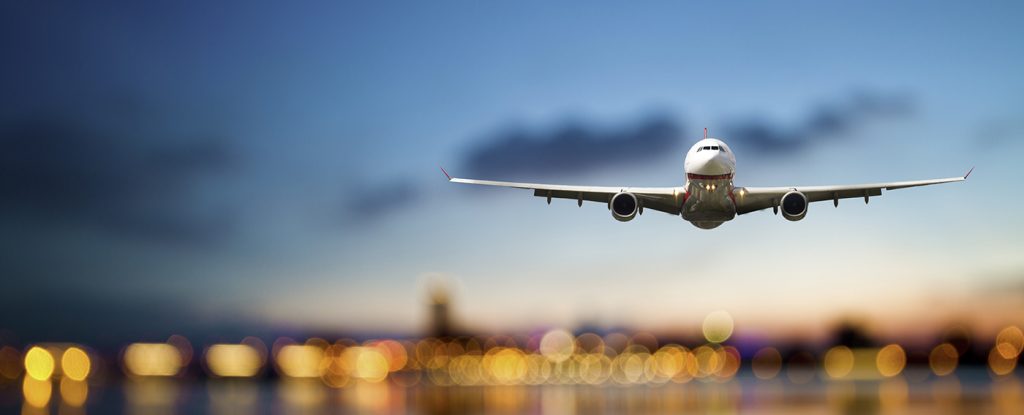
662	199
750	199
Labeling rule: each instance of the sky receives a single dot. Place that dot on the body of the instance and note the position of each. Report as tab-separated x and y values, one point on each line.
187	167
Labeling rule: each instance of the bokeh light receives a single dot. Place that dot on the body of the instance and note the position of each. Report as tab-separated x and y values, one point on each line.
557	345
75	363
943	359
718	326
767	363
39	363
891	360
152	359
731	361
300	361
1010	342
365	363
999	364
838	362
233	360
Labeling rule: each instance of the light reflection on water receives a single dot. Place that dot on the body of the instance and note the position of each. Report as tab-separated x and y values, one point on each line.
745	394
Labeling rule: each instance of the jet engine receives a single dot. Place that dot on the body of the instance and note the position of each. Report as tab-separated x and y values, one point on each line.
624	206
794	206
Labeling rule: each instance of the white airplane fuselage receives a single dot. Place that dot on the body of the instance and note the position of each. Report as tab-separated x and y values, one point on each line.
709	166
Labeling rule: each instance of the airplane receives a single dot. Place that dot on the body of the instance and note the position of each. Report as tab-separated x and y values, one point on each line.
708	199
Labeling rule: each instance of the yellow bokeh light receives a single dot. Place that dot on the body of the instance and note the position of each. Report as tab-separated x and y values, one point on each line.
595	368
718	326
999	364
233	360
709	360
75	363
152	359
36	392
557	345
943	359
371	366
506	366
1010	342
838	362
74	392
767	363
632	367
300	361
395	354
670	360
39	363
890	360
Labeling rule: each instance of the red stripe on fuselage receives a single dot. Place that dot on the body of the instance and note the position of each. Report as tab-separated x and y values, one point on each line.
692	176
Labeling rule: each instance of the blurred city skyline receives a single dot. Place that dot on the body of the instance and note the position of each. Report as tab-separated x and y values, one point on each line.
232	168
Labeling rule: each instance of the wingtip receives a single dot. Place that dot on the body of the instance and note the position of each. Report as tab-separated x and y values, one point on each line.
446	173
968	173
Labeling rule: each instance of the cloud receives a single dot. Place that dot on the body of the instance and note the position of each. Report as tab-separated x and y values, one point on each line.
822	121
574	147
58	171
579	146
370	202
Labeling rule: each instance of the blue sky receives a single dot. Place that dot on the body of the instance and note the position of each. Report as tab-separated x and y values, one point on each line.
276	166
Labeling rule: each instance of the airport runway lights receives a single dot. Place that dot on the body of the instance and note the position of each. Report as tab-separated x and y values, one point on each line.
552	357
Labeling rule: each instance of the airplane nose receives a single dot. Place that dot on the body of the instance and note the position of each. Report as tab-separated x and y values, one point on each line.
716	164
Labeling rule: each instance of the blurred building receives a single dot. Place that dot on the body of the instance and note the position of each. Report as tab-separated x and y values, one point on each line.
440	311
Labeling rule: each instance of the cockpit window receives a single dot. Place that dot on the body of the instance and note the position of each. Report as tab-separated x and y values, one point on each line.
707	147
714	147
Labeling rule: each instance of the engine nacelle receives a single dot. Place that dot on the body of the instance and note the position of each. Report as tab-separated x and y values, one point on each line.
624	206
794	206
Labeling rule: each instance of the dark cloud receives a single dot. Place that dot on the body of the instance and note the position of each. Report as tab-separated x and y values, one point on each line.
574	147
580	147
823	121
369	202
58	171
